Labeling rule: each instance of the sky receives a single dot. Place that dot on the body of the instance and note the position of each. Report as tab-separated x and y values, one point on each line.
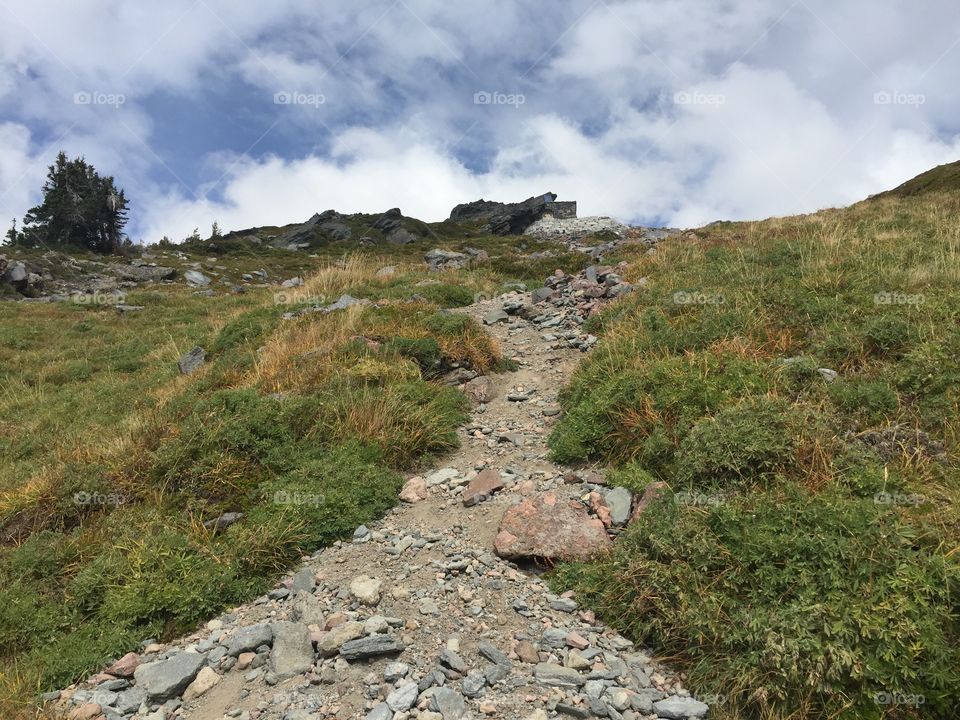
656	112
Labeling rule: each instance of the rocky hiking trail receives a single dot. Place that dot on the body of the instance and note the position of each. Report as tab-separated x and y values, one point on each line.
425	614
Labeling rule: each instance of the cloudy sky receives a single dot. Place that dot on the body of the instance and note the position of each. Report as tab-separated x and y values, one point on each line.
673	112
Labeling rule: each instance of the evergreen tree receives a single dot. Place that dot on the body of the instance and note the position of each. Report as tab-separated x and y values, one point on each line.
12	235
79	208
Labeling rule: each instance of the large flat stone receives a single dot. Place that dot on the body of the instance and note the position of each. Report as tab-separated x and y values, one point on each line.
558	676
292	651
373	646
165	679
550	528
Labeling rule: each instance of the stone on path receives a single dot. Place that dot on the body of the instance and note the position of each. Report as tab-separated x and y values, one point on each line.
558	676
250	638
292	651
124	667
550	528
680	708
165	679
372	646
206	679
480	390
449	703
414	490
333	640
482	487
496	316
403	698
366	589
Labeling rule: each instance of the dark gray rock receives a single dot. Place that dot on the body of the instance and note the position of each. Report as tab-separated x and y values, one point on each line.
380	712
473	685
557	676
511	218
575	711
304	580
250	638
493	654
373	646
192	361
450	659
449	703
129	701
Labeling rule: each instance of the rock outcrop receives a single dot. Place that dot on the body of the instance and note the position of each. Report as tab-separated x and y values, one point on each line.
512	218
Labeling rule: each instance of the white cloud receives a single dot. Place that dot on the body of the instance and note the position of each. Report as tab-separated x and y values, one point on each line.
798	127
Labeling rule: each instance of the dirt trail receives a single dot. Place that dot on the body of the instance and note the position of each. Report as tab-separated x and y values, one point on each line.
480	637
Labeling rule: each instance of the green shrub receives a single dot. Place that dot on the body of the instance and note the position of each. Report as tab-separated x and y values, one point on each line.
248	329
790	605
888	335
623	408
871	400
799	374
750	441
425	352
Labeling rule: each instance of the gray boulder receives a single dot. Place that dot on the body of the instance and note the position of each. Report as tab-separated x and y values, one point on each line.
445	259
292	651
680	708
192	361
619	500
166	679
196	278
250	638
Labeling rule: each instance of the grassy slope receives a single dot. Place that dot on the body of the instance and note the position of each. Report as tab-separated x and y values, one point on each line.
803	560
943	178
303	425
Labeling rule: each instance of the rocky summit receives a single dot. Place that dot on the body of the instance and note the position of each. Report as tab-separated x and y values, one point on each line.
436	612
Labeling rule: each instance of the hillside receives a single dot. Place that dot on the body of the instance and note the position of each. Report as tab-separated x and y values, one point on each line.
582	471
943	178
